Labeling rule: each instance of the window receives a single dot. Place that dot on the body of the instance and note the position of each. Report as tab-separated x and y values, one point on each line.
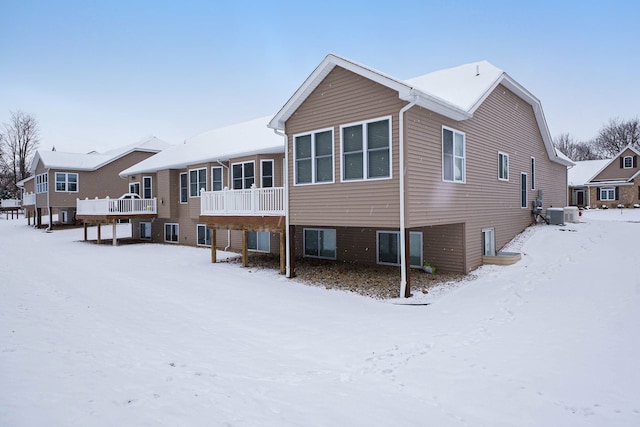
488	242
523	190
389	248
453	155
42	183
533	173
266	171
171	232
145	231
183	187
204	235
628	162
243	175
503	166
216	178
258	241
314	157
197	181
366	150
134	188
607	194
66	181
320	243
146	187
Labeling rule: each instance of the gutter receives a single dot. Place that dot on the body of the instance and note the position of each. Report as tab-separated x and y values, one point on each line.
404	291
285	174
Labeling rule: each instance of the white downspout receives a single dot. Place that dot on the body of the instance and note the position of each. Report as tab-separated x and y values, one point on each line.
49	202
226	248
403	243
285	178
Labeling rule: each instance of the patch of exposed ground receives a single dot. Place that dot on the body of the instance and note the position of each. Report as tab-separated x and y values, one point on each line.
380	282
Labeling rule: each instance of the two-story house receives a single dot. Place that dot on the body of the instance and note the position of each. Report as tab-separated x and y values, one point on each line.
60	178
440	168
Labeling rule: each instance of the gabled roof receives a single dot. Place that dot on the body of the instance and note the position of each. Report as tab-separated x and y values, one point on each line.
455	92
93	160
242	139
607	162
583	171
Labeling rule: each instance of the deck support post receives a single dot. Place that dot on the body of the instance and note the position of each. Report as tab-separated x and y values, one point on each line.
50	219
84	225
114	239
407	262
213	245
245	251
283	252
292	251
99	234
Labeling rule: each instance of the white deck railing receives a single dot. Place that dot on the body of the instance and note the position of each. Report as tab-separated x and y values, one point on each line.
29	199
10	203
254	201
109	206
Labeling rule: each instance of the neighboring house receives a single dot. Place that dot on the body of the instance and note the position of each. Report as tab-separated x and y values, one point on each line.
59	178
441	168
228	179
578	179
611	182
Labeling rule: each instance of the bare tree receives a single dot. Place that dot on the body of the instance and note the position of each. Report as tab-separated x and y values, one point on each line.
18	142
575	150
616	135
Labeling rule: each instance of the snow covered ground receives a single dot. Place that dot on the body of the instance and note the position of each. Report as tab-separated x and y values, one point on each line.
156	335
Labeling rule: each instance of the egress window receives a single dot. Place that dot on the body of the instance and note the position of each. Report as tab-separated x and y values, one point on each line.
366	150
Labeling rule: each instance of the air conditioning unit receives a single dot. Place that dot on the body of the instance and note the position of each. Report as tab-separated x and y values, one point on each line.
555	216
571	214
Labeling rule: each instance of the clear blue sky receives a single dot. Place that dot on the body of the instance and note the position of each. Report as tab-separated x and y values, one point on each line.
102	74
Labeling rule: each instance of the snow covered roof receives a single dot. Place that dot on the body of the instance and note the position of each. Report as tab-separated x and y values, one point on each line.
93	160
241	139
455	92
580	174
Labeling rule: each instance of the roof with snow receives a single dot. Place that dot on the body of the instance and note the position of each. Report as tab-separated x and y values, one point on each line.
241	139
455	92
580	174
93	160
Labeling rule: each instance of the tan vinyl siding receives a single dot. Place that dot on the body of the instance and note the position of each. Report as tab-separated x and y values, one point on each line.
344	98
168	192
443	246
613	171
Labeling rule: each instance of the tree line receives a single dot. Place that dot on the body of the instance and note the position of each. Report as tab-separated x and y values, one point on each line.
19	140
612	138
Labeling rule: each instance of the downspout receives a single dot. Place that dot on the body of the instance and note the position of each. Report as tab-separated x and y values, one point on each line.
403	242
226	248
48	202
285	178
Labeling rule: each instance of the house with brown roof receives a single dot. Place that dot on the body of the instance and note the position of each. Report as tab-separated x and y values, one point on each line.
59	179
440	168
609	183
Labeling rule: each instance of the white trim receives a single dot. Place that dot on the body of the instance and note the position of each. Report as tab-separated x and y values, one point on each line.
502	155
150	230
421	234
206	231
607	189
243	177
221	177
624	162
533	173
273	172
205	181
314	158
66	182
257	242
464	155
397	233
186	174
491	231
177	232
526	193
132	190
150	186
365	150
304	242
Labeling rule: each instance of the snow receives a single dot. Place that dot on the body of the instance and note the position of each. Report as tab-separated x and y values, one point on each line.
237	140
152	334
583	171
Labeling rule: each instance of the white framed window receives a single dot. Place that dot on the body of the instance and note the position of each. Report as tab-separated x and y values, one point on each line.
204	235
523	190
216	178
488	242
453	155
42	183
197	181
184	187
388	248
66	182
319	243
145	231
243	175
259	241
134	188
608	193
366	150
147	191
171	232
533	173
313	153
266	173
627	162
503	166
